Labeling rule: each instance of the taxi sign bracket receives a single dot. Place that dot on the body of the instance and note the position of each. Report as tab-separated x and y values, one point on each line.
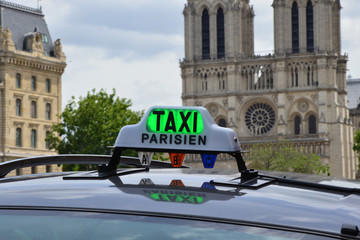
116	156
240	161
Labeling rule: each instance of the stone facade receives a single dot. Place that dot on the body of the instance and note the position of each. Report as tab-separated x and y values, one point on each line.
354	102
30	92
299	93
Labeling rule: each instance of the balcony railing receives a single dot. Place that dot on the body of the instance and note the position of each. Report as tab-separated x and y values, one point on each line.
317	147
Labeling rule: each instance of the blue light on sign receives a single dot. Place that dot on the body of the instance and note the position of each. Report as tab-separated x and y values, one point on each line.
208	160
208	186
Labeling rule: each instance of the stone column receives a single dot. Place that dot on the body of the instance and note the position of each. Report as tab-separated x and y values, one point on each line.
302	29
213	34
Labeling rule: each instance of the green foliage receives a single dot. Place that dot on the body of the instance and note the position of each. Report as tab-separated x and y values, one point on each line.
356	146
91	124
283	156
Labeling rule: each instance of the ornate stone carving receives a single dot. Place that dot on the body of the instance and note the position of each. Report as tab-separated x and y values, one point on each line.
34	43
240	99
232	123
260	118
303	106
225	102
58	50
314	97
213	110
198	103
278	3
290	98
6	43
281	120
275	98
189	9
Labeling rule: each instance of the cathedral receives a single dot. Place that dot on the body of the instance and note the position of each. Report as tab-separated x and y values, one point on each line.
298	93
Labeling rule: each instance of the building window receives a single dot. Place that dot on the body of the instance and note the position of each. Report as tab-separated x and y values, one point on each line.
220	24
33	109
18	137
204	84
33	138
44	38
47	142
48	85
260	118
295	27
33	83
18	107
309	27
48	111
297	124
205	33
18	80
312	124
295	77
222	122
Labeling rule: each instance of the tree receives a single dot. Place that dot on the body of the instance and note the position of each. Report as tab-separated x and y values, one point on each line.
283	156
91	124
356	146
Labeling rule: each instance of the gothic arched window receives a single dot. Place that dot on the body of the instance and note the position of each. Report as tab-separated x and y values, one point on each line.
205	34
222	122
295	27
295	77
312	124
309	27
220	25
297	125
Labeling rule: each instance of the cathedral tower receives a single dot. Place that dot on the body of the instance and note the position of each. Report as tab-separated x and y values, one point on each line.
298	93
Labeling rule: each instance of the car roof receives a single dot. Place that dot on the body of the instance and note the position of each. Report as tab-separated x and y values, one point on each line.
303	203
189	192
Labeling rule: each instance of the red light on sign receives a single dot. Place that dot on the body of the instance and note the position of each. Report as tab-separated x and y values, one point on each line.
177	183
177	159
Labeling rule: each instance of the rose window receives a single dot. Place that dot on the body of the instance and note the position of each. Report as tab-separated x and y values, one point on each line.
260	118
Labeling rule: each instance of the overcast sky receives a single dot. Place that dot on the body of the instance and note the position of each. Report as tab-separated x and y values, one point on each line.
134	46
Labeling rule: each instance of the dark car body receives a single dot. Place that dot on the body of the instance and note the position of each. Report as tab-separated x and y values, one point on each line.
214	196
147	199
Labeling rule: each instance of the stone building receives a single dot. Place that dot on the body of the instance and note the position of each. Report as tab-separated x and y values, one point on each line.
354	102
31	66
298	93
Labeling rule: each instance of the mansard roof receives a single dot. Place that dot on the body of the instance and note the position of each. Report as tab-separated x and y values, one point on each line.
24	21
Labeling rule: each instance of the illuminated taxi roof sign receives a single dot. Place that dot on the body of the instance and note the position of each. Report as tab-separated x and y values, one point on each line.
178	128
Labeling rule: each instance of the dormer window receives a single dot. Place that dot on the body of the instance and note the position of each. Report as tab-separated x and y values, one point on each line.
44	38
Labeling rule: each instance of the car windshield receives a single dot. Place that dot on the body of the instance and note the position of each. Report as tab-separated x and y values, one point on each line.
56	225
